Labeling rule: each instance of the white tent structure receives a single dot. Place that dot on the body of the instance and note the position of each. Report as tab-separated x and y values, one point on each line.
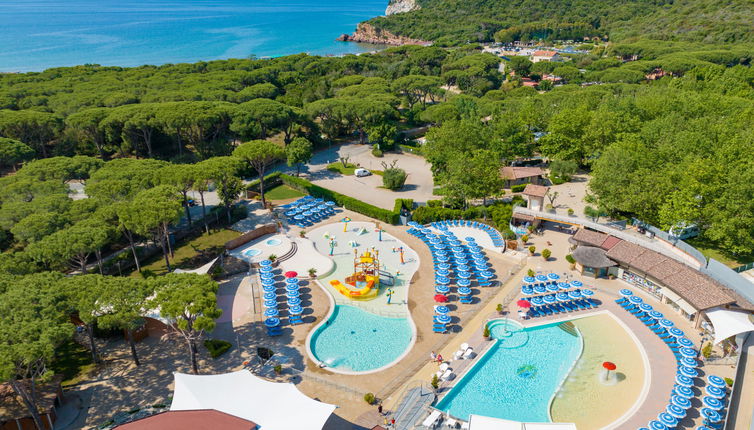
272	405
729	323
203	270
479	422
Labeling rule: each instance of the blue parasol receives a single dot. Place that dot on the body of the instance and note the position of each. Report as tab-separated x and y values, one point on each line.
443	318
688	362
299	217
676	332
463	267
625	293
549	299
712	403
295	310
656	315
541	278
486	274
680	401
269	288
443	266
271	312
291	294
478	258
442	289
577	284
460	260
675	411
272	322
667	419
529	280
470	239
540	289
269	296
268	282
635	300
442	309
684	381
457	249
574	294
562	296
294	301
426	231
684	392
331	204
716	381
687	352
292	280
270	303
527	291
441	272
537	300
564	285
291	287
442	280
264	263
463	282
646	307
715	392
290	213
666	323
464	290
553	276
267	276
441	253
656	425
463	275
684	341
443	259
587	293
552	287
711	415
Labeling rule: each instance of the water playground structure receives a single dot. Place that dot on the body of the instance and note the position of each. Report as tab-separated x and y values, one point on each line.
367	277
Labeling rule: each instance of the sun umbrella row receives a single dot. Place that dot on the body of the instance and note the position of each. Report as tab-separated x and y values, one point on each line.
682	348
497	239
270	296
308	210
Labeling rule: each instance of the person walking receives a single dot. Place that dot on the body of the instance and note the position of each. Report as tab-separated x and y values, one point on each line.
432	356
379	409
439	359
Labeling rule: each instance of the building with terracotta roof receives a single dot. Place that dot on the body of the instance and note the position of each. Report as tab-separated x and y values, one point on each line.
14	414
201	419
542	55
516	175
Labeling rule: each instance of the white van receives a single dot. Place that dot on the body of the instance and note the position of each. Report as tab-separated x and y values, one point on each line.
683	231
361	172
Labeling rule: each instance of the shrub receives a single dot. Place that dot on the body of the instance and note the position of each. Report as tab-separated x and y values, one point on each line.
376	151
532	249
435	383
400	204
369	398
278	369
570	211
728	382
394	178
312	272
486	331
508	234
569	258
531	272
546	253
434	203
518	188
562	169
557	180
707	350
499	307
273	257
524	239
216	347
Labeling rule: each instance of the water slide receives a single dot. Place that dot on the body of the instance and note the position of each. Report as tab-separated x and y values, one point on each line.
360	293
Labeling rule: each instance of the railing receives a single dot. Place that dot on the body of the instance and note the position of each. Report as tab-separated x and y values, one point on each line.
744	268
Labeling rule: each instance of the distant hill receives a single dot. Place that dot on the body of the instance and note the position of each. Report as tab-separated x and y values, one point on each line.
452	22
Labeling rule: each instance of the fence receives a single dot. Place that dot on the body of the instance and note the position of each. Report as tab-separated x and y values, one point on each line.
248	237
744	268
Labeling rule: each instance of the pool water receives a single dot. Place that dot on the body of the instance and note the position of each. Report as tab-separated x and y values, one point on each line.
356	340
274	242
517	377
252	252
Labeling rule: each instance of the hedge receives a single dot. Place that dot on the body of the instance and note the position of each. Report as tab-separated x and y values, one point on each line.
347	202
270	181
518	188
499	214
401	204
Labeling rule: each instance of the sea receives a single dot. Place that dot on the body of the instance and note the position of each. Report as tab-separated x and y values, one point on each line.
39	34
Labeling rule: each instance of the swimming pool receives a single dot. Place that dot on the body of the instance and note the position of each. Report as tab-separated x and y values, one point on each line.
251	252
274	242
354	340
518	376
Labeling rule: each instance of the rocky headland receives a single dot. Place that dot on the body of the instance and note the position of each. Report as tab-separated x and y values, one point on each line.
366	33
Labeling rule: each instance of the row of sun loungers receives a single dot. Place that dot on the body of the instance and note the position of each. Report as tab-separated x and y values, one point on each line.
562	307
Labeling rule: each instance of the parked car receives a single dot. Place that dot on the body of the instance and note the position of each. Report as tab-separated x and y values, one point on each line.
684	231
362	172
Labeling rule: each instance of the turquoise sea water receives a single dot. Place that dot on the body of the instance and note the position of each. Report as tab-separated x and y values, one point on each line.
38	34
356	340
516	379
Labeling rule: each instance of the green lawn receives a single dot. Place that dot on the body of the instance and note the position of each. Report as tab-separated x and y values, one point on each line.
282	192
338	167
713	250
187	255
73	361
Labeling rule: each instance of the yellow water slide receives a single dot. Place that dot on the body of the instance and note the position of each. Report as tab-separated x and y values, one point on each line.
366	292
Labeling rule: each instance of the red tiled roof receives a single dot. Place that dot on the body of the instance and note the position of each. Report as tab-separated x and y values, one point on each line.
535	190
590	237
610	242
203	419
542	53
625	252
513	173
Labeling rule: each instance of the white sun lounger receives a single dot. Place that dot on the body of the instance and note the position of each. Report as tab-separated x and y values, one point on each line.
432	419
447	374
451	423
458	355
465	426
467	355
444	367
464	347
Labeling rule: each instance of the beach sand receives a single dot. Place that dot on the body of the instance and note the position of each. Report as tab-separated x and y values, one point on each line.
584	399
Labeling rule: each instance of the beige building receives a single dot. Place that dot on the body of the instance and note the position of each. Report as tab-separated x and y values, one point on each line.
542	55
